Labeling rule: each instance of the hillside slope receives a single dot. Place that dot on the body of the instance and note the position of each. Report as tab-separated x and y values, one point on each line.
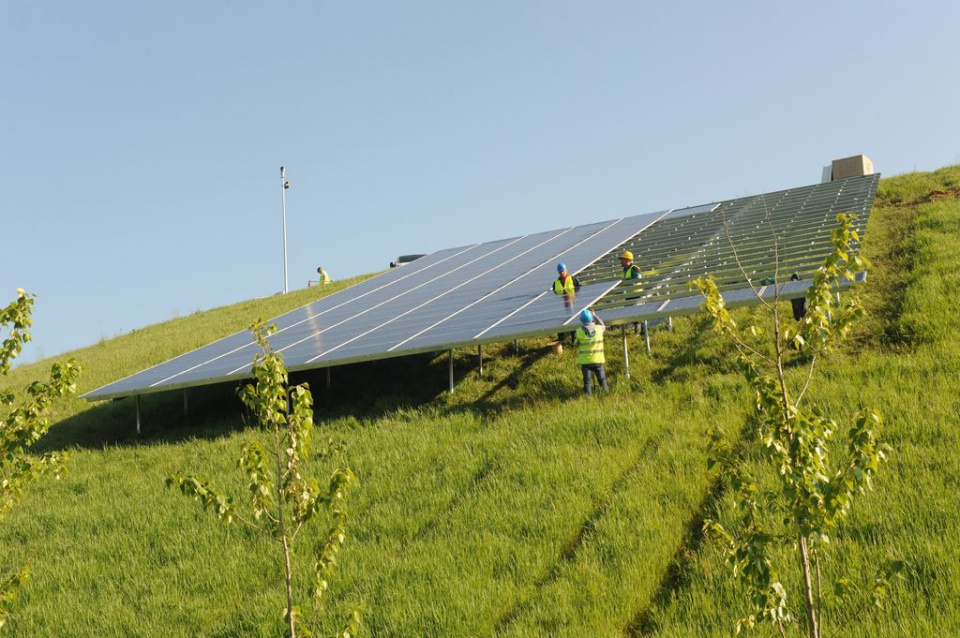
513	507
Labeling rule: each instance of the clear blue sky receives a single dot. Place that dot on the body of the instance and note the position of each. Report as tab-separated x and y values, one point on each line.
141	142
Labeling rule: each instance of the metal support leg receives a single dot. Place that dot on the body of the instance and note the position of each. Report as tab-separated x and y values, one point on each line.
451	372
186	404
670	324
646	335
328	378
626	351
516	346
138	413
480	356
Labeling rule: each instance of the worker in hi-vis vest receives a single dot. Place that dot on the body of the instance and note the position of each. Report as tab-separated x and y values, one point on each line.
590	350
630	269
568	286
565	284
631	272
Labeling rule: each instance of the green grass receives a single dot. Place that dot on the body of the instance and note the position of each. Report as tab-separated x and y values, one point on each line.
514	506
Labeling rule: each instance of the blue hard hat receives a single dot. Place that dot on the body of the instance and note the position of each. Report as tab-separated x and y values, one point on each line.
561	267
585	316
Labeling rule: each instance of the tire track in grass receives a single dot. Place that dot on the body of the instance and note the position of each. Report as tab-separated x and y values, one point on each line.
569	551
677	574
481	475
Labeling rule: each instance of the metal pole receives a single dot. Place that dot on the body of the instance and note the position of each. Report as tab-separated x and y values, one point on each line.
451	372
626	352
646	335
284	185
138	414
480	356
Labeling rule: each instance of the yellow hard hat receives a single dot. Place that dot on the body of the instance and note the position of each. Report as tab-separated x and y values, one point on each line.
626	255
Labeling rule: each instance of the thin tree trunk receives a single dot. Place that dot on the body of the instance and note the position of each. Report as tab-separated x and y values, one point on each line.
286	560
812	618
283	537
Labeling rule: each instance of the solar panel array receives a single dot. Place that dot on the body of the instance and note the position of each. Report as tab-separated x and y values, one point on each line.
462	296
501	290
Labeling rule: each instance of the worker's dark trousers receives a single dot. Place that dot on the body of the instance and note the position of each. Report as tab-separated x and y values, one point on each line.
597	370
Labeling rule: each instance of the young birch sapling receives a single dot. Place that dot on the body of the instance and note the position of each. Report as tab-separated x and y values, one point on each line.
282	499
814	492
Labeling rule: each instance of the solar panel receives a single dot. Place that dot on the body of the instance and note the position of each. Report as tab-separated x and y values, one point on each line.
739	242
502	290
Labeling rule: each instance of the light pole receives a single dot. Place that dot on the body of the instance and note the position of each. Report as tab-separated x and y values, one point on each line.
284	185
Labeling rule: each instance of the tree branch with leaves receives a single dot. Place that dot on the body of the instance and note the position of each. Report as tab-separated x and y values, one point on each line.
24	422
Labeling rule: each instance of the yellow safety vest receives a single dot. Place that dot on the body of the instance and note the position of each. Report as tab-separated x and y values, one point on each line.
564	287
590	349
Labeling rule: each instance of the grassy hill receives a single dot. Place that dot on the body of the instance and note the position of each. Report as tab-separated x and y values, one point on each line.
514	506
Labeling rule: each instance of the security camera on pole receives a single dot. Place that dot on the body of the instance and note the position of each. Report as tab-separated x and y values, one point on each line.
284	185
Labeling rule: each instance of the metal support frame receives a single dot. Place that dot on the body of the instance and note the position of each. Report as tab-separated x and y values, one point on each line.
138	413
186	403
328	378
480	356
646	335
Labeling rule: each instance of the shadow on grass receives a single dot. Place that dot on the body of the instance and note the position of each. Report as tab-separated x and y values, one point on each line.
697	354
211	411
363	390
512	381
511	393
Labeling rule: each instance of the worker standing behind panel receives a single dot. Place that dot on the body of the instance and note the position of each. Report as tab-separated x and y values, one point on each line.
568	286
631	272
